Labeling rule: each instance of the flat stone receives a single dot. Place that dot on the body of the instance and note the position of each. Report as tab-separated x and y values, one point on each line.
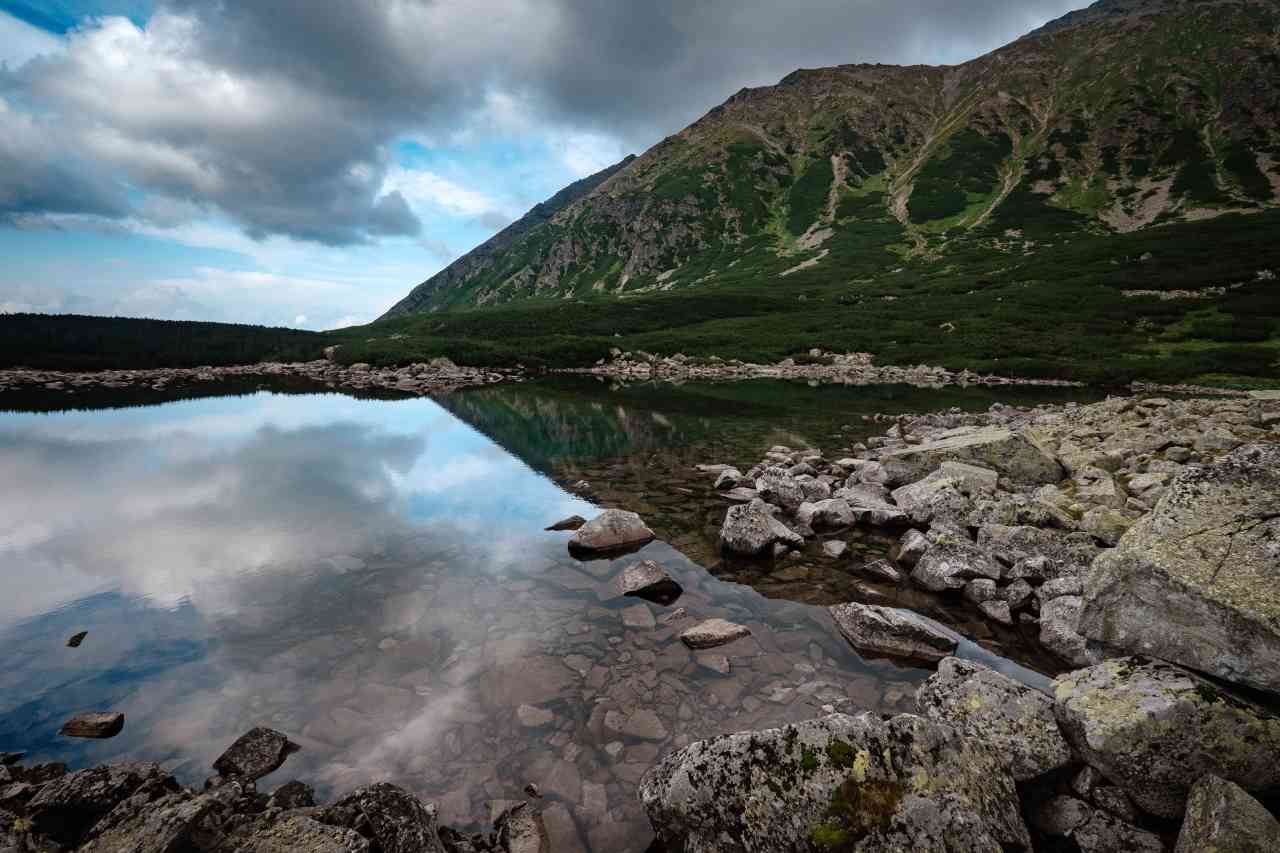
834	548
1223	817
882	570
712	633
97	725
890	631
1016	456
611	530
255	753
296	833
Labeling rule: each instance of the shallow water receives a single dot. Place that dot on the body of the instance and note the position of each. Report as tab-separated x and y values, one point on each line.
372	577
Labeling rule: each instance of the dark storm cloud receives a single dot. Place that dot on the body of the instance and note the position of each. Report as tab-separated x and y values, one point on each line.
281	112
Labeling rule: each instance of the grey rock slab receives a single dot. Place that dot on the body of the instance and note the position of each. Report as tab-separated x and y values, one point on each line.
890	631
1153	729
151	826
913	785
1018	457
611	530
255	753
398	821
296	833
1016	720
1197	581
1223	817
882	570
829	514
952	562
713	632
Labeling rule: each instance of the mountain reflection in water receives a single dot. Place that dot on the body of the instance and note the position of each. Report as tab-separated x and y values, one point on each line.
372	578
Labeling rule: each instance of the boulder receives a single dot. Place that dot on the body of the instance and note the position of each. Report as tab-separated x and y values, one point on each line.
1197	581
952	562
1092	831
141	824
1154	729
749	530
254	754
292	795
1017	457
890	631
727	479
611	530
1059	630
97	725
521	830
780	490
712	633
67	807
1222	817
395	820
649	581
1037	553
573	522
882	570
911	547
1016	720
871	504
1105	524
297	833
830	514
828	784
945	493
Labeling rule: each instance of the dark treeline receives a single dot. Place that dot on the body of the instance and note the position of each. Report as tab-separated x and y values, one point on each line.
75	342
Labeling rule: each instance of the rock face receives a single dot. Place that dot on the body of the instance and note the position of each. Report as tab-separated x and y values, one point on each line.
1154	729
254	754
712	633
749	530
1197	581
1222	817
395	820
1013	718
1014	456
649	581
889	631
833	783
611	530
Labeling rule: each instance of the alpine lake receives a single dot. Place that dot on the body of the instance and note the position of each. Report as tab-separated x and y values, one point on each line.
373	577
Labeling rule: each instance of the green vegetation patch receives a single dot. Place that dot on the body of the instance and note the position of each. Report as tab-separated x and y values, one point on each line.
968	165
807	198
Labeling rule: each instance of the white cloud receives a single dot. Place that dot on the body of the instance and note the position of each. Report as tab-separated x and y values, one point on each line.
20	42
422	187
300	320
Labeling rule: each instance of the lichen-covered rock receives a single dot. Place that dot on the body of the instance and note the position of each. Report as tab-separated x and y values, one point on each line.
1154	729
1017	721
521	830
141	824
890	631
1197	581
1222	817
1092	831
830	514
870	503
611	530
750	530
1015	456
67	807
394	819
952	562
781	490
254	754
946	493
297	833
911	547
838	782
1036	552
1060	632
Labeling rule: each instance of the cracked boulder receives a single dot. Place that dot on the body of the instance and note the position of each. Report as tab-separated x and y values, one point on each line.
1016	457
894	632
836	783
1221	816
1154	729
1197	581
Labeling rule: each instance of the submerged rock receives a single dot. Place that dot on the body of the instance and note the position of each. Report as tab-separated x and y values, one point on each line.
1153	729
712	633
1197	581
883	785
890	631
254	754
649	581
1222	817
1017	721
97	724
611	530
521	830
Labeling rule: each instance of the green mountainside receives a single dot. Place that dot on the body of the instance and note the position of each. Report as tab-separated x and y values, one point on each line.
1099	199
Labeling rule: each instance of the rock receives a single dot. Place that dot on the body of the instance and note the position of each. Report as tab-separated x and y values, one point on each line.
728	478
1222	817
611	530
561	829
740	495
395	820
871	504
750	531
533	717
946	493
1197	582
1092	831
639	616
66	808
830	514
1016	457
292	795
1153	729
900	784
712	633
952	562
911	547
1059	630
1105	525
76	639
890	631
254	754
98	724
649	581
1036	553
521	830
158	821
1017	594
1094	486
1017	721
9	758
997	611
882	570
980	590
644	724
719	664
296	833
781	490
573	522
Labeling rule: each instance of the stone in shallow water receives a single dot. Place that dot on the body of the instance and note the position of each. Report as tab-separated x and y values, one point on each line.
98	724
611	530
749	530
533	717
573	522
890	631
712	633
1154	729
255	753
638	616
76	639
521	830
900	784
1221	816
649	581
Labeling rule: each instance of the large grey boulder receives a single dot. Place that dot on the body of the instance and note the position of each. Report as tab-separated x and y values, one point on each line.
1154	729
393	818
952	562
254	754
1222	817
66	808
829	514
838	782
296	833
946	493
611	530
1197	581
1017	457
894	632
1016	720
781	490
750	530
141	824
1060	630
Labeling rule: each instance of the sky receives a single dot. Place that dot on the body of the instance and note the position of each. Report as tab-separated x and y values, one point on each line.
305	163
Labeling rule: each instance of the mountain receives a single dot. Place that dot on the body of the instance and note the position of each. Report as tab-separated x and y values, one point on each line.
1113	161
